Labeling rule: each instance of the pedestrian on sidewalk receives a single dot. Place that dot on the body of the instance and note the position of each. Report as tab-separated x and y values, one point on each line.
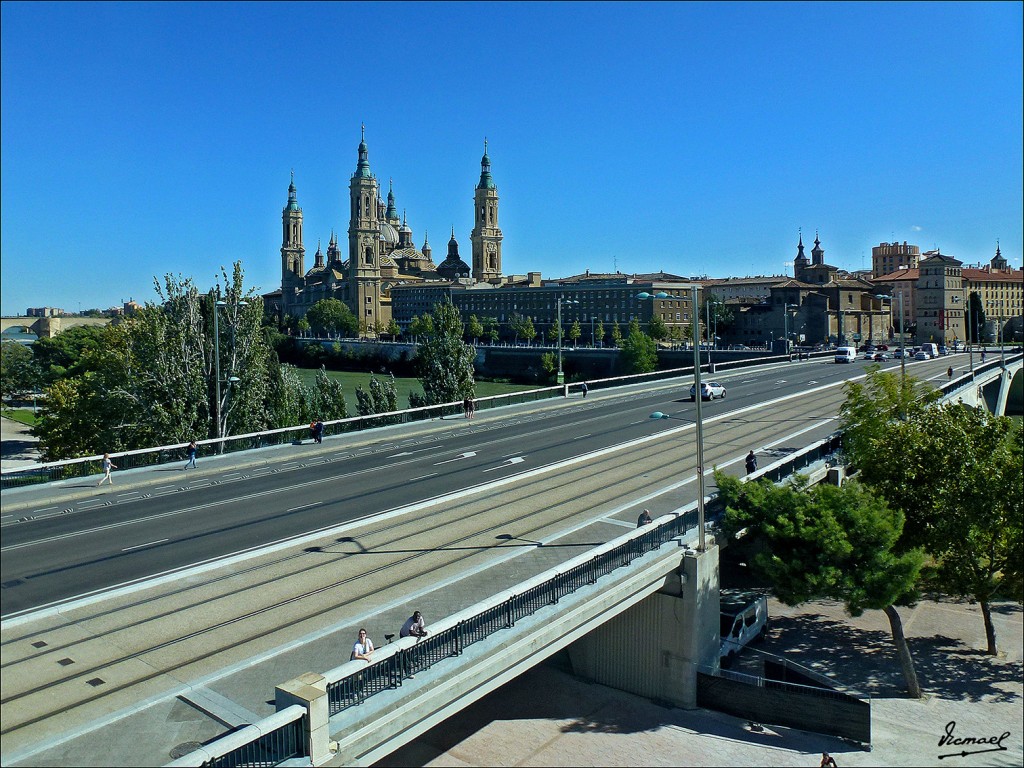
467	404
585	389
751	463
318	431
107	466
363	647
949	372
472	408
644	519
827	761
191	453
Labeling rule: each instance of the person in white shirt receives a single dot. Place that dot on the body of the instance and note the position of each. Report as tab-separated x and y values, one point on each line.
363	647
414	626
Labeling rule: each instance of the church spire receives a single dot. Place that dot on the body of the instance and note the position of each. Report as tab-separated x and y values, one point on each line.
391	214
363	166
486	182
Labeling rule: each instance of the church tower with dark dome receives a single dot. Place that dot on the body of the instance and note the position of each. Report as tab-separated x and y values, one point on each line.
486	236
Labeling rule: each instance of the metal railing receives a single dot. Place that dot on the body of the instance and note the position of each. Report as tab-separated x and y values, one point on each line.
269	742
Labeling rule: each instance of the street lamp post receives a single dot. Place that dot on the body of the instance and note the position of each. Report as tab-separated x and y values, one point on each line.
695	315
785	318
561	376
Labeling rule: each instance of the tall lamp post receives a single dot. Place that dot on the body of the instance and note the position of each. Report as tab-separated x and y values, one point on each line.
785	318
903	349
561	376
695	314
216	356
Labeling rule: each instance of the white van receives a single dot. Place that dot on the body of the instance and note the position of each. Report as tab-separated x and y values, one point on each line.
931	349
744	619
846	354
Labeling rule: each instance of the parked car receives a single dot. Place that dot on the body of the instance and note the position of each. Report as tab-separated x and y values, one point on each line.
943	350
897	354
880	356
922	355
869	355
883	347
744	618
709	390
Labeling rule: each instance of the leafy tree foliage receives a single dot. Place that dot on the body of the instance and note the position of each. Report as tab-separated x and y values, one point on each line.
394	330
616	336
827	542
491	329
332	316
474	329
522	326
69	353
555	332
19	374
955	472
382	397
445	362
574	332
599	333
548	363
657	329
639	352
327	398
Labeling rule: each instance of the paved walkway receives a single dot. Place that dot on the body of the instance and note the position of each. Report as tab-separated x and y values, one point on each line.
548	717
17	445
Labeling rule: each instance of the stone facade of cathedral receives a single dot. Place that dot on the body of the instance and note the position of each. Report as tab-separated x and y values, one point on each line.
380	253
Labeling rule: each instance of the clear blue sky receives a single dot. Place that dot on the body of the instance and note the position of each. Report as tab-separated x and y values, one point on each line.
695	138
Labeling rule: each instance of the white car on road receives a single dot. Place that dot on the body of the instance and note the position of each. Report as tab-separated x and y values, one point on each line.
709	390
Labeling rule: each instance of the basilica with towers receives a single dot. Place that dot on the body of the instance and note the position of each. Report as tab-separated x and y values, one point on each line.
380	254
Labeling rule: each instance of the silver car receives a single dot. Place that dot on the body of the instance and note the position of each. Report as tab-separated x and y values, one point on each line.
709	390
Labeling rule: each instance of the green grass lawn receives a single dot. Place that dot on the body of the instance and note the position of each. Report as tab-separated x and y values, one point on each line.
22	415
351	379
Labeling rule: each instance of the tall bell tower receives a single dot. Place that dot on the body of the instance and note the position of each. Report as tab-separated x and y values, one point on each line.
486	236
364	244
293	254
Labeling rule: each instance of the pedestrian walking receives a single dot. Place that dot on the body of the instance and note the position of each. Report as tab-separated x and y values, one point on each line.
107	466
949	372
472	408
363	647
312	430
466	405
751	463
983	353
191	453
827	761
644	519
585	389
318	431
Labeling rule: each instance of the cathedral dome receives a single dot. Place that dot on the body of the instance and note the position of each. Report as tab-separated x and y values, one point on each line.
388	233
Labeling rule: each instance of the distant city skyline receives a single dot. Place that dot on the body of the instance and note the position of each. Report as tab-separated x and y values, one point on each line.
140	139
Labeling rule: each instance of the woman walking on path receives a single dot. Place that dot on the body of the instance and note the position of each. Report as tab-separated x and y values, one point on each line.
191	453
107	466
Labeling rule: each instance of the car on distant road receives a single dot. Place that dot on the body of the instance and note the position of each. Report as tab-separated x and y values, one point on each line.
880	356
943	350
922	355
897	354
709	390
869	355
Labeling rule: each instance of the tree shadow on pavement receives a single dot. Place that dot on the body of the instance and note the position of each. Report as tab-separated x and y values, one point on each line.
866	660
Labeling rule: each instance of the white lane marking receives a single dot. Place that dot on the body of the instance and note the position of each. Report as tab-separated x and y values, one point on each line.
37	511
305	506
233	476
164	487
508	463
140	546
582	436
460	457
127	493
421	477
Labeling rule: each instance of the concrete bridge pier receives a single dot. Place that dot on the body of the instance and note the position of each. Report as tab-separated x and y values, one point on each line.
655	648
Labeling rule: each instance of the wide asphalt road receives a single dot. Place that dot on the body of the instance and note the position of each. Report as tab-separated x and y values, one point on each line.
116	535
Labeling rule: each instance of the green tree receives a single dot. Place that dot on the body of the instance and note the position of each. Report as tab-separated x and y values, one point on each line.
69	353
491	329
19	374
955	473
303	326
657	329
599	333
548	364
616	335
474	329
289	398
394	330
381	397
331	316
831	542
445	362
639	351
326	398
555	331
574	332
